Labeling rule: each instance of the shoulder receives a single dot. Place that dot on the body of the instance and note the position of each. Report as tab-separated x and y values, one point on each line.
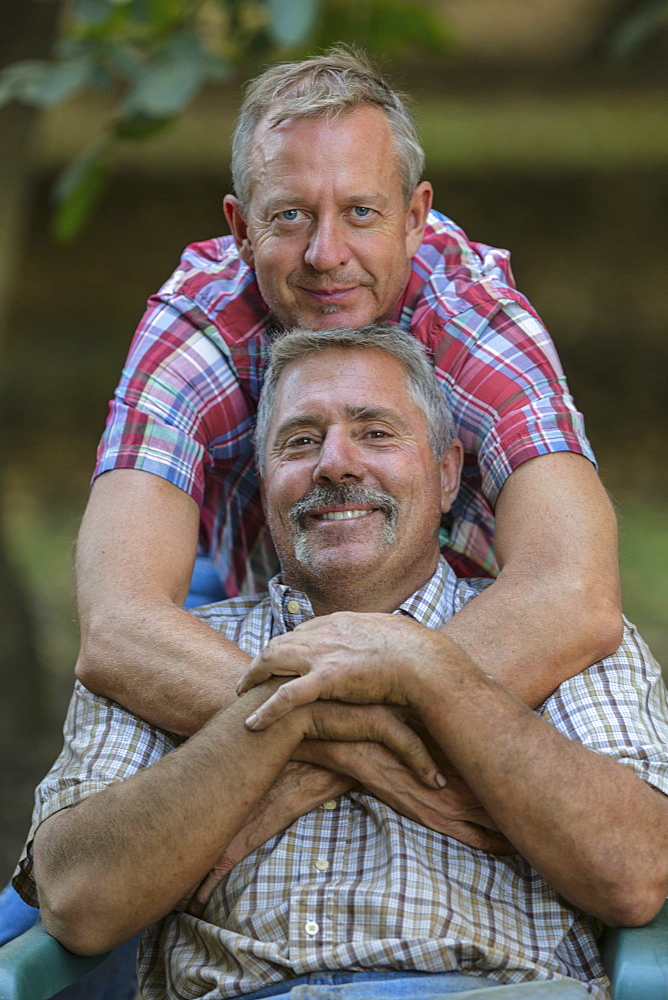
213	282
447	251
203	263
461	286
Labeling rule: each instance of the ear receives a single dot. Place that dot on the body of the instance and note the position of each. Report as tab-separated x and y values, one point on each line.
236	220
451	470
416	216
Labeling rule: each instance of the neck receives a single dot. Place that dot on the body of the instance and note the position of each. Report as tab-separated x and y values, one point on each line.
343	593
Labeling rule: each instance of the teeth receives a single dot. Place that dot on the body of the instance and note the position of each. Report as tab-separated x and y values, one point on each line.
342	515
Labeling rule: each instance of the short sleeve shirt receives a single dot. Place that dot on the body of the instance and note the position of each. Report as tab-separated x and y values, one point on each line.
185	406
387	893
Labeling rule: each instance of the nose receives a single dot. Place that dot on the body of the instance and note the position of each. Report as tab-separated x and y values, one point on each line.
327	248
338	460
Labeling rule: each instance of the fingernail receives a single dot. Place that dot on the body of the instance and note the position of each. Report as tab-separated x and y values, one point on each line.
441	780
251	721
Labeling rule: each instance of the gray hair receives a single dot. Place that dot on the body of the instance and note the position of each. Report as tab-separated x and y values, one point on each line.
326	86
424	387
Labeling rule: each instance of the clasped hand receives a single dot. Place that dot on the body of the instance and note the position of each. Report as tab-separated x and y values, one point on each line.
370	659
347	656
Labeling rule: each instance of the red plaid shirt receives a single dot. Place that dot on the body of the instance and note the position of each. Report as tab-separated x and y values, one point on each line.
185	406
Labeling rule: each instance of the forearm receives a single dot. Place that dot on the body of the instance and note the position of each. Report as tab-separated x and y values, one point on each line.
595	830
139	647
531	632
299	788
122	858
592	828
555	607
160	662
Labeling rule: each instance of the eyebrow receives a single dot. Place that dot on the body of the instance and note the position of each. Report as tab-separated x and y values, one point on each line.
370	198
355	413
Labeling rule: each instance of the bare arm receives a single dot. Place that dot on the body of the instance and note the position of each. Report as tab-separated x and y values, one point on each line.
595	830
147	842
135	556
555	607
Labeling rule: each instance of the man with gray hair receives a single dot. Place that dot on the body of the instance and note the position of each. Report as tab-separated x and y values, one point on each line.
357	895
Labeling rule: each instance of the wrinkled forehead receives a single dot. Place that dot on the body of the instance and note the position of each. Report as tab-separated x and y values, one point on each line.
344	385
344	133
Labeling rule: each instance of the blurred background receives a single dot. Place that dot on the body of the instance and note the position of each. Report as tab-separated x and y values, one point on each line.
546	132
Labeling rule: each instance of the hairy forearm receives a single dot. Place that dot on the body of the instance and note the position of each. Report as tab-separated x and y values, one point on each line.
592	828
534	631
142	844
555	607
161	663
595	830
299	788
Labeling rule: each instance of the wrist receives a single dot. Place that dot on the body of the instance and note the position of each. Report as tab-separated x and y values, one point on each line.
447	673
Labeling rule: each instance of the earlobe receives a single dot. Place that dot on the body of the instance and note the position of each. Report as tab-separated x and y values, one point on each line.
451	470
236	220
416	216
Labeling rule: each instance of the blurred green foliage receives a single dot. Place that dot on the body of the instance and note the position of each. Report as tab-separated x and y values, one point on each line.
636	28
156	55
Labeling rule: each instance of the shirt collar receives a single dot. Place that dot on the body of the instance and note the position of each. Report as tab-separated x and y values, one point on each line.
432	605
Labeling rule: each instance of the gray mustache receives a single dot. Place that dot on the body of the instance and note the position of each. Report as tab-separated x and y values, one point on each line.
322	496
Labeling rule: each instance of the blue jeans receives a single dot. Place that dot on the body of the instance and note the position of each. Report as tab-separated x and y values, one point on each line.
413	986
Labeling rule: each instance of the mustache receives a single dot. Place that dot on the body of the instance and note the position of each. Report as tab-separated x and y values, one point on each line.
346	493
315	282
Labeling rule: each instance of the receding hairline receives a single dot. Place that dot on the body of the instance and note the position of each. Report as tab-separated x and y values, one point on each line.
337	82
267	126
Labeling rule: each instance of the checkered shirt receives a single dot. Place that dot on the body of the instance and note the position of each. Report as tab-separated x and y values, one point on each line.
393	895
185	406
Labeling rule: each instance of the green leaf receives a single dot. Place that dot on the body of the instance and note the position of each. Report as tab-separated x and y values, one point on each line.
92	12
384	27
164	88
22	80
292	21
61	80
79	188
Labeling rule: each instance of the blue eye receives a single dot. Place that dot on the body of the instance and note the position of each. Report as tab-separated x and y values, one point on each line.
289	215
361	212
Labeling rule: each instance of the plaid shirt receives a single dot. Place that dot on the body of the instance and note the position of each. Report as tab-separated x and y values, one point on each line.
185	405
392	894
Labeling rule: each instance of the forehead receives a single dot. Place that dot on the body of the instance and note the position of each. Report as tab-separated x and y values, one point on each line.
345	384
354	148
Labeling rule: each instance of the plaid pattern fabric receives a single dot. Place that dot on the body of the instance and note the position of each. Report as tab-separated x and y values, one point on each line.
185	406
393	895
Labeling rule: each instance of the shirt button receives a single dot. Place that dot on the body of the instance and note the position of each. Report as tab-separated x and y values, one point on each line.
311	927
329	804
293	607
322	866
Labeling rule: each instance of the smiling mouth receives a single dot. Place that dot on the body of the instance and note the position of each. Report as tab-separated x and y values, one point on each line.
342	515
330	294
340	503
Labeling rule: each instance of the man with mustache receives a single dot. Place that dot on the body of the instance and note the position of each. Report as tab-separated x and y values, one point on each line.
357	896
